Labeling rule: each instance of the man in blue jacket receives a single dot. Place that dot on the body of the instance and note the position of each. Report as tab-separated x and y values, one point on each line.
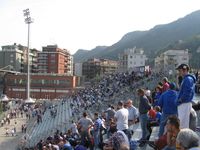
186	95
168	103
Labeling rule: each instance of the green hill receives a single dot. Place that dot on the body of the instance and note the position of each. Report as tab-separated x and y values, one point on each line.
152	41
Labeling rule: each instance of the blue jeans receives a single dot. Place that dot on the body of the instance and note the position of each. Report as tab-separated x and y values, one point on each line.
96	138
143	122
163	122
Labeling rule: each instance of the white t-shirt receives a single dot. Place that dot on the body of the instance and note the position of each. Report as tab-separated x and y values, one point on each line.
122	119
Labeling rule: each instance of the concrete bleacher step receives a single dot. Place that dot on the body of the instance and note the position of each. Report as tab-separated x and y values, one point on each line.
138	133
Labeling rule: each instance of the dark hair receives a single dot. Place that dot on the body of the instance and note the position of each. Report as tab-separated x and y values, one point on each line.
120	103
112	107
84	114
160	83
173	120
157	108
141	91
96	114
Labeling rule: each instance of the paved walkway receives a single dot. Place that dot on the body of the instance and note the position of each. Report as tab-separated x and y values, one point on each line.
11	142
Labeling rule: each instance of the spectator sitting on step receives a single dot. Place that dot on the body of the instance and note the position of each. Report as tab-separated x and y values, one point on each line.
154	122
173	128
168	140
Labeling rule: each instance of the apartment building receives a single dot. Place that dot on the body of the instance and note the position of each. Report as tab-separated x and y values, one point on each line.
55	60
170	59
131	59
98	67
78	69
14	57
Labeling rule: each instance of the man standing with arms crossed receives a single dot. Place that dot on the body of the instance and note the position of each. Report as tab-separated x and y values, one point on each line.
144	107
186	94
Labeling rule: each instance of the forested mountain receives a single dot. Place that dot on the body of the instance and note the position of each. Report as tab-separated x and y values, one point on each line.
152	41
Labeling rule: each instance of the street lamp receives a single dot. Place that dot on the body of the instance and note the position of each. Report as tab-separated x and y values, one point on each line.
28	20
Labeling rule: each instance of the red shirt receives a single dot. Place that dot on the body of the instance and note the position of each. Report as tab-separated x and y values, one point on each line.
161	142
152	114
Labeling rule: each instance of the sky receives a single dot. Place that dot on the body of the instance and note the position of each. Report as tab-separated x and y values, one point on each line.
85	24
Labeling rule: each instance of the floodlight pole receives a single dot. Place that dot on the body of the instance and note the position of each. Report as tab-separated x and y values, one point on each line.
28	20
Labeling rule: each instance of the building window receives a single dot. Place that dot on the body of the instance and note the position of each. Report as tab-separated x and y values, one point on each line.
131	56
53	60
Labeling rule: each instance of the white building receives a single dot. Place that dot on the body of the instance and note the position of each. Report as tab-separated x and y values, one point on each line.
71	66
131	59
170	59
78	69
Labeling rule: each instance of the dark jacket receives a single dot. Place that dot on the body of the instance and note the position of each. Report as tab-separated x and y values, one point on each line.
187	89
144	105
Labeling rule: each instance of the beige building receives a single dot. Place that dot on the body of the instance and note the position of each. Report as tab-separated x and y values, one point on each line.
170	59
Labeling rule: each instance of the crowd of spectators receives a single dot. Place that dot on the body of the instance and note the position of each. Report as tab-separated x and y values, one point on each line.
20	110
162	107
